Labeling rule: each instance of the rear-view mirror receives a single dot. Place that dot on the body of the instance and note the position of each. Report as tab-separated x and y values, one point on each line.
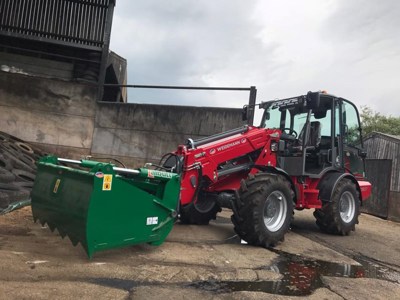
313	100
244	113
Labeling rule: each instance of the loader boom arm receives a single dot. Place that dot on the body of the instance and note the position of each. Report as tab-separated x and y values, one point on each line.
217	163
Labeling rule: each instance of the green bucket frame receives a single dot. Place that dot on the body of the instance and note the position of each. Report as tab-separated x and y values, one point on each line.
102	208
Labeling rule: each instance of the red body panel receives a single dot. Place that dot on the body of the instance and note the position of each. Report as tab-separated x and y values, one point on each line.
308	193
207	161
366	189
211	155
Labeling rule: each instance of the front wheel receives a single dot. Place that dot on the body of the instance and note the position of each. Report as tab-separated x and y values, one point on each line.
340	215
264	210
200	212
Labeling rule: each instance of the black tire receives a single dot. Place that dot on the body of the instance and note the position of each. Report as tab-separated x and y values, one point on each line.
38	153
4	200
10	137
23	176
5	163
3	138
6	176
27	159
264	210
8	187
24	185
340	216
11	147
25	148
199	213
18	164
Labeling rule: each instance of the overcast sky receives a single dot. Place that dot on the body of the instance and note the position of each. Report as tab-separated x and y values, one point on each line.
284	48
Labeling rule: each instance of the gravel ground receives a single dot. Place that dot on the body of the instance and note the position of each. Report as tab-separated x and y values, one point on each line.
206	262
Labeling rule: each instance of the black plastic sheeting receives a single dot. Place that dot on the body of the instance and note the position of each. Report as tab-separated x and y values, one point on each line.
80	22
17	172
15	205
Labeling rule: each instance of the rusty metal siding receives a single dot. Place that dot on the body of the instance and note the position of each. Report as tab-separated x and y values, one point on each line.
382	146
378	171
79	22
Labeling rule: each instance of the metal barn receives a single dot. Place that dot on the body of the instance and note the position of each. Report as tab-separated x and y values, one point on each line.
383	170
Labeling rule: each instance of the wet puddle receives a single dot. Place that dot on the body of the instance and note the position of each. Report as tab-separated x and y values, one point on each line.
300	276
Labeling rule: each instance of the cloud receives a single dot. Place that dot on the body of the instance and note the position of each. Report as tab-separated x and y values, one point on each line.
285	48
366	56
191	43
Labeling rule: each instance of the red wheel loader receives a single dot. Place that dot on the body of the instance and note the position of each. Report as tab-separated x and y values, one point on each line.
306	153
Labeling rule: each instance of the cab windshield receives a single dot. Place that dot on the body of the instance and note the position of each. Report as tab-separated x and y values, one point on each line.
295	117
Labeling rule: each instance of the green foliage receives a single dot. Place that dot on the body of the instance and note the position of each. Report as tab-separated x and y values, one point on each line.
374	121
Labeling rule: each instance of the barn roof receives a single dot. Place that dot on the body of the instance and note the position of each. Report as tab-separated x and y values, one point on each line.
385	146
392	138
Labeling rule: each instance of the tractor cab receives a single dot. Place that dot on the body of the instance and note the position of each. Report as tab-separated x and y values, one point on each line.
319	133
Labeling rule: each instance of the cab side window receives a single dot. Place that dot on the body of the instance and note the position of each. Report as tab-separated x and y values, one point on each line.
351	125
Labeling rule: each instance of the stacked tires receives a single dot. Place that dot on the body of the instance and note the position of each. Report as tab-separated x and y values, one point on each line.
17	169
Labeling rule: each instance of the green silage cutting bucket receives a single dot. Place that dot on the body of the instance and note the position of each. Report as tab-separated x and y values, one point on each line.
102	206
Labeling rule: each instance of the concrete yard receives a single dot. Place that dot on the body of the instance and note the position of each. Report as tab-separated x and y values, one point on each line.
207	262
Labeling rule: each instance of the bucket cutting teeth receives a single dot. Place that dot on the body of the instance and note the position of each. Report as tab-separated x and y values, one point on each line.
104	207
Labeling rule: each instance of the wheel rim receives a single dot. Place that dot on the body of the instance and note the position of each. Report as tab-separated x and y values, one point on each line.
347	207
275	210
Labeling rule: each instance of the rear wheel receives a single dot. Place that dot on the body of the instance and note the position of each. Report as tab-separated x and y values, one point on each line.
4	200
264	210
340	216
200	212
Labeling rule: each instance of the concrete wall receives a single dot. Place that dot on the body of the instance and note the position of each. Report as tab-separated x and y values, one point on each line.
143	133
56	115
64	118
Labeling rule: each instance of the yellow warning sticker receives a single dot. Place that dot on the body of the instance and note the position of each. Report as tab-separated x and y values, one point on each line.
107	182
55	189
107	178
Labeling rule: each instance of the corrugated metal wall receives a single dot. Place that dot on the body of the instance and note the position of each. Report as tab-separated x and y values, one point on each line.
381	146
72	21
378	172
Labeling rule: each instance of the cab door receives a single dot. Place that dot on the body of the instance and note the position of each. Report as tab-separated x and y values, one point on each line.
353	154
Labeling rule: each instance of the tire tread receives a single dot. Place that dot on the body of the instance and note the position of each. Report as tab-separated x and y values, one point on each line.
247	222
328	217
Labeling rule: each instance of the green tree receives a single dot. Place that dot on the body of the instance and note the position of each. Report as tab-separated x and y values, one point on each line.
374	121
